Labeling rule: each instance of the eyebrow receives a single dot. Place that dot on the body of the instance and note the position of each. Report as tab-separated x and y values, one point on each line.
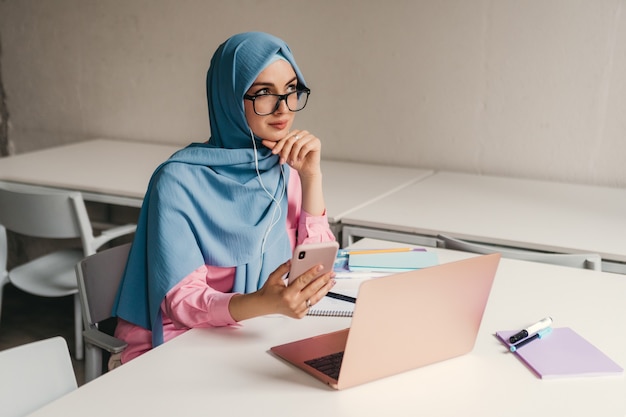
268	84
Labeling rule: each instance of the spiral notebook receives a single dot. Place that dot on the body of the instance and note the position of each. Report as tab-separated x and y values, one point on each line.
332	307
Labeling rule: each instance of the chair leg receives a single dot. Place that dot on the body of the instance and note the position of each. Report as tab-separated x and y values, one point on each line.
3	282
93	362
78	328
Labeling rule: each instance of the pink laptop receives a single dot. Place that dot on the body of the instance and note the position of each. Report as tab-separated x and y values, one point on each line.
401	322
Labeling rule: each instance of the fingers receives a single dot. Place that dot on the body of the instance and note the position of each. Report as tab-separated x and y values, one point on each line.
311	295
311	289
299	283
317	295
291	300
317	292
302	142
295	147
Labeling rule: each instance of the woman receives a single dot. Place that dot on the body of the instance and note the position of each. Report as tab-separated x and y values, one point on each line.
220	219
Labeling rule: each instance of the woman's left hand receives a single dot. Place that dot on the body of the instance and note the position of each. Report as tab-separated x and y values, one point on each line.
301	150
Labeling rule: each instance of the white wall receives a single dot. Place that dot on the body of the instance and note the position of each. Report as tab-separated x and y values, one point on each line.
533	88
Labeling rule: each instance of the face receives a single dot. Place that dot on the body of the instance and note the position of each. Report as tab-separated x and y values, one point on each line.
277	78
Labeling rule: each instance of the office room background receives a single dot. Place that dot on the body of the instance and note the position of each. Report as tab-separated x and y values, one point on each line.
533	89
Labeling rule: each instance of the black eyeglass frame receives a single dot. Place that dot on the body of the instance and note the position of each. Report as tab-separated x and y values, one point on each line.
280	97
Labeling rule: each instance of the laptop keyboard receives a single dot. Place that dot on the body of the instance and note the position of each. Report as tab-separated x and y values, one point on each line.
329	364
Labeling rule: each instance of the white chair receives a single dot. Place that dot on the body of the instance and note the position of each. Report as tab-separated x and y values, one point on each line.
99	277
4	254
33	375
577	260
58	215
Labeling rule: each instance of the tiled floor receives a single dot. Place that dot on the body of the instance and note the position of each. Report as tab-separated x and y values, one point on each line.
26	318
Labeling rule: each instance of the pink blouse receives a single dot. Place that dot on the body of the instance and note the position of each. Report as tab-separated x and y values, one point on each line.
201	299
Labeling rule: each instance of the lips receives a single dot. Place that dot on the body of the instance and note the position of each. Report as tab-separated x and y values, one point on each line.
280	125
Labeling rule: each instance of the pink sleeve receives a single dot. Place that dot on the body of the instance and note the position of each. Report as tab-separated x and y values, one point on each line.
194	303
314	229
310	229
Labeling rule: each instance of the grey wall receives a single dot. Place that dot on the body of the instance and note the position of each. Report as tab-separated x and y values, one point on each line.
532	88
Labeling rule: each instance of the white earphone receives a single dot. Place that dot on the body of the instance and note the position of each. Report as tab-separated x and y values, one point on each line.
277	207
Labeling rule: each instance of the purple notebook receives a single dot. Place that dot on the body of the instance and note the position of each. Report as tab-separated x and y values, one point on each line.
563	353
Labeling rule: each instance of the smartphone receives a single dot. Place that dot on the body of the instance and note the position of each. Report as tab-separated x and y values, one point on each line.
306	256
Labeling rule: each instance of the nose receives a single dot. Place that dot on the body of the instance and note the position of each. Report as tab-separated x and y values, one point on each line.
281	106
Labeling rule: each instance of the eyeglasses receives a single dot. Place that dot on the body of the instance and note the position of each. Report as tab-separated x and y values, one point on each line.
265	104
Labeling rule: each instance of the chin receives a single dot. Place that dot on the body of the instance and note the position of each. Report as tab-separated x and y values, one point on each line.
274	138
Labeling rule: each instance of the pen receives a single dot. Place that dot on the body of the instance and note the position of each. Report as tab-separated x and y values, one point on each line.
534	328
374	251
539	335
341	297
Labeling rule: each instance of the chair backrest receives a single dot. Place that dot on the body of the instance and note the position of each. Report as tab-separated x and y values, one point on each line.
99	276
46	213
578	260
34	375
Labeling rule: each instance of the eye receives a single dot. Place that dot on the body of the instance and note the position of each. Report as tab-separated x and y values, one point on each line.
292	87
262	92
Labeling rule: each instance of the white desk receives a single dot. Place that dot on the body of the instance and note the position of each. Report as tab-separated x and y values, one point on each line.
230	372
105	171
529	214
349	186
117	172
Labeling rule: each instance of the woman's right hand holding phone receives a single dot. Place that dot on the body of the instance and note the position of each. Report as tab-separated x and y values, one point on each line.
275	297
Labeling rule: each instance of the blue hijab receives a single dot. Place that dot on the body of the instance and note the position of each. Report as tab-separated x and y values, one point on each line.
206	204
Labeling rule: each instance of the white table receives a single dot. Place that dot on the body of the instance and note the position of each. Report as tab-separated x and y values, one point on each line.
117	172
229	371
106	171
529	214
349	186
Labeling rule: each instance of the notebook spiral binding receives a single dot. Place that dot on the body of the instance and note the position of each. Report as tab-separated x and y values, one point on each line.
330	313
